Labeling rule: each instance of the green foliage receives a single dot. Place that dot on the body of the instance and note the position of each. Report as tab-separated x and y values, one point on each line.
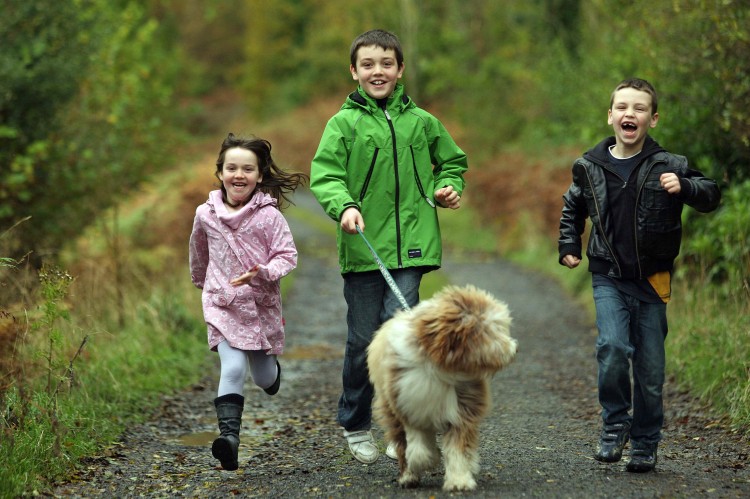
289	59
718	246
46	48
95	82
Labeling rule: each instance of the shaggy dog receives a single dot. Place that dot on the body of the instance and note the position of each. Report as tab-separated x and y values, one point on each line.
431	368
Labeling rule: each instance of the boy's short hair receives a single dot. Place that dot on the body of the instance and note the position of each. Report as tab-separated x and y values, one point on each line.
379	38
638	84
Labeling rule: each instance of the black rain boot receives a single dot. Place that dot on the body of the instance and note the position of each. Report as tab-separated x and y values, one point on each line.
229	413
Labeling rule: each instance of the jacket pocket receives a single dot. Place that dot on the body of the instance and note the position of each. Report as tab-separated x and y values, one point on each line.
660	241
656	199
253	310
420	187
366	183
222	297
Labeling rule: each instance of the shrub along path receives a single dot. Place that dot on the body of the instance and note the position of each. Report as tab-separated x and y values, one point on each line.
537	441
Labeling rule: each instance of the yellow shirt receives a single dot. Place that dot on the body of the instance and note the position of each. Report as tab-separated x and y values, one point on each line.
662	284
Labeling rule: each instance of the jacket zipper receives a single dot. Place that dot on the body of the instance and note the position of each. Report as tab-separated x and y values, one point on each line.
601	227
398	193
419	182
635	215
366	184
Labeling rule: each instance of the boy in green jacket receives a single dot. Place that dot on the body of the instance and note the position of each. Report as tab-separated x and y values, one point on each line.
383	164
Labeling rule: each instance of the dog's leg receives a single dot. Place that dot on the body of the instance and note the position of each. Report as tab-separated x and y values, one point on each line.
408	476
460	450
420	454
395	432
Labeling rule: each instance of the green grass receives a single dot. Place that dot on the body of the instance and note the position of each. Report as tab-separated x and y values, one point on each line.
118	380
708	350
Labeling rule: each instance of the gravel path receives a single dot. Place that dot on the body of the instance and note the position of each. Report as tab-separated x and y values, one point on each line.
537	441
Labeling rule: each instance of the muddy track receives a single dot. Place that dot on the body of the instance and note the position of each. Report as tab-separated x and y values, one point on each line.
537	441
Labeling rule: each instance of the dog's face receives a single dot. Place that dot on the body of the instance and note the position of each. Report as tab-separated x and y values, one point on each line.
465	330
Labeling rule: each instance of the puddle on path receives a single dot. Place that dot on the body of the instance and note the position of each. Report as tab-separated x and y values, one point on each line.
313	352
199	439
258	428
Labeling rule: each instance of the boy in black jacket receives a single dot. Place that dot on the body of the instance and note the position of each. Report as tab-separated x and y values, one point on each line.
633	191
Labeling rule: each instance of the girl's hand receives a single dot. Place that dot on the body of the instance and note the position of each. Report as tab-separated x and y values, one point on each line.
245	278
448	198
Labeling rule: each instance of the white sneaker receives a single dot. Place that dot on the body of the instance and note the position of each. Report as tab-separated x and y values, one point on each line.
391	452
362	446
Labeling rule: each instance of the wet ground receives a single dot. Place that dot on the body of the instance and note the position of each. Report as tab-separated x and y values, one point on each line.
536	442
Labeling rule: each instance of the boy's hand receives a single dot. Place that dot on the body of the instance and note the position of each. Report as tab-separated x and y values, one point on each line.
670	183
571	261
448	198
350	219
245	278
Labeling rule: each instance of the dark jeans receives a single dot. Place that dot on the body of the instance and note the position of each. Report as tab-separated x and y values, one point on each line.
631	330
371	302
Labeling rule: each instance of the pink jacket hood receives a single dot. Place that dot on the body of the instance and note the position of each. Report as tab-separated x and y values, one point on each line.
234	218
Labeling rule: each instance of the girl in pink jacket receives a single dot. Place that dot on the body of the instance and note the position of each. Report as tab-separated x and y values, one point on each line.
240	248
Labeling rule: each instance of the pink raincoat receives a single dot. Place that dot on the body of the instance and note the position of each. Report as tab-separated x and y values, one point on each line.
224	245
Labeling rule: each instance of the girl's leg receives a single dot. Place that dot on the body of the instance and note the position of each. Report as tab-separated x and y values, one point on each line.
229	405
234	363
263	368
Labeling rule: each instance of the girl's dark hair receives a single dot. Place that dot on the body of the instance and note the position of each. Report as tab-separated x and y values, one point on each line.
379	38
276	182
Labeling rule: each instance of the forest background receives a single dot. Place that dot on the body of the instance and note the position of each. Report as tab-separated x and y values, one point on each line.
103	103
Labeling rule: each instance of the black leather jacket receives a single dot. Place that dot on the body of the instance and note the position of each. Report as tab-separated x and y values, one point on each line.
657	217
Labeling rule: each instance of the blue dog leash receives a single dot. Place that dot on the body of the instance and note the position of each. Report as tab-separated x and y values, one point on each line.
384	271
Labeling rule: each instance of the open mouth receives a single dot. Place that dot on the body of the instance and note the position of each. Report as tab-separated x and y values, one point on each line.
629	127
378	82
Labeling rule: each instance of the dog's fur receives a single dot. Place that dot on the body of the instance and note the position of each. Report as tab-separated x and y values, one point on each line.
431	368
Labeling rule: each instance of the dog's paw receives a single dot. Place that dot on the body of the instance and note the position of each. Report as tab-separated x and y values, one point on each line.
457	484
408	480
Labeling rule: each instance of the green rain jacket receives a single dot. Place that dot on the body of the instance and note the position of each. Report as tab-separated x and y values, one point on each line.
388	164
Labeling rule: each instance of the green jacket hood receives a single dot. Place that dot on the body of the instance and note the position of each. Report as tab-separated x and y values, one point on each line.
397	100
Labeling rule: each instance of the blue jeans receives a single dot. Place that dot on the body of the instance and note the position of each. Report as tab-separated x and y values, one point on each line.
631	330
371	302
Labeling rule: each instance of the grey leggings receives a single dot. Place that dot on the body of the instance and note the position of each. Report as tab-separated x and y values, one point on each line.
234	363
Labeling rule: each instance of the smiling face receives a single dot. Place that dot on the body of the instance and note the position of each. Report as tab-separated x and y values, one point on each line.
631	116
377	71
240	174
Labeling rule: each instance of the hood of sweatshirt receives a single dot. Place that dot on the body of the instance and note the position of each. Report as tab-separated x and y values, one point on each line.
599	153
234	218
